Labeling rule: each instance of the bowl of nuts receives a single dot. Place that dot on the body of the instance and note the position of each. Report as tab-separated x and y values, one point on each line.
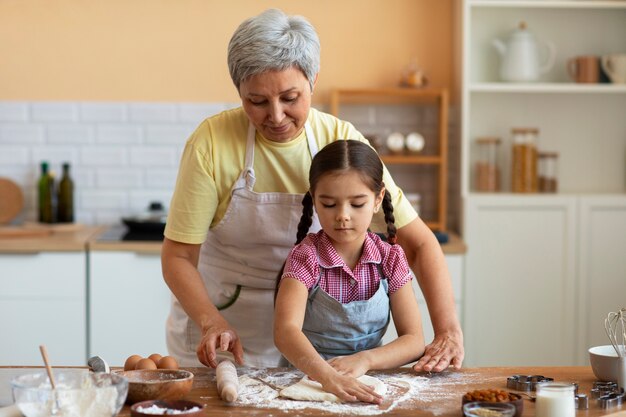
494	395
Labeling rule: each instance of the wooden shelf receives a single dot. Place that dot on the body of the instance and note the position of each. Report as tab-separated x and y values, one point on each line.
429	96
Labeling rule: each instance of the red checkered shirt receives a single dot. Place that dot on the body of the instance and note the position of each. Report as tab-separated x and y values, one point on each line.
316	252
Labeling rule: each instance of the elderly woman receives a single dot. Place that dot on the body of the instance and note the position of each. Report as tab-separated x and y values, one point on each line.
237	203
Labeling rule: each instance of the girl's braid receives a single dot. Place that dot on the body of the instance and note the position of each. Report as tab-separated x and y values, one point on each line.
307	217
389	218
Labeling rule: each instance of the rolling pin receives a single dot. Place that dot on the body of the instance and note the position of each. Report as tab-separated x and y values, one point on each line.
227	381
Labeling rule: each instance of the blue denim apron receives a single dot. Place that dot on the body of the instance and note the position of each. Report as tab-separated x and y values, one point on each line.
336	329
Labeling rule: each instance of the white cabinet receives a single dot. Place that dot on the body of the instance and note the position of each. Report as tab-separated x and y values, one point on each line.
455	267
43	302
535	286
129	304
520	281
602	267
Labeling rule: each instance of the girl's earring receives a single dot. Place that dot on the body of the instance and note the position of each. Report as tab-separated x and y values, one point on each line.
376	209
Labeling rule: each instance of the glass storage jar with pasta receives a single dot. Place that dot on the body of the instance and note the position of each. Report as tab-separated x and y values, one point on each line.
524	163
487	167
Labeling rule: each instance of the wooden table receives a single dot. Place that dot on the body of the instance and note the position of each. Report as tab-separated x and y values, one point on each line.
441	396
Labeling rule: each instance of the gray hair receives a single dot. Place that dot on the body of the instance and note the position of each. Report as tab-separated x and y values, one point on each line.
273	41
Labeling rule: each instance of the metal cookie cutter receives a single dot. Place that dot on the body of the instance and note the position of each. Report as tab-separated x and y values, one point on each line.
526	383
611	400
602	388
582	401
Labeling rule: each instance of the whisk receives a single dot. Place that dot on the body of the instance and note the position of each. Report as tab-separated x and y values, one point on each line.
615	327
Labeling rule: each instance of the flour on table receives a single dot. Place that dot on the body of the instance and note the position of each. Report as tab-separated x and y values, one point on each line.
253	392
308	390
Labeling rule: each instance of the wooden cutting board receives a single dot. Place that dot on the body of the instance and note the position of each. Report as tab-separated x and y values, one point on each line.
11	200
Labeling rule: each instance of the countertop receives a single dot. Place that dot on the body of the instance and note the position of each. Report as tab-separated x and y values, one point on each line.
432	395
72	238
106	238
454	246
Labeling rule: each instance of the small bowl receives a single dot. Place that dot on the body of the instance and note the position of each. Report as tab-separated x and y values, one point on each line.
157	384
518	404
604	362
471	409
183	408
76	394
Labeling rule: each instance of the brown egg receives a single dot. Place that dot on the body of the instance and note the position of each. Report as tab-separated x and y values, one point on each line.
146	363
155	358
131	362
168	362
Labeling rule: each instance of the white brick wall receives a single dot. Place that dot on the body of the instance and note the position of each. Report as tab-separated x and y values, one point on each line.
124	155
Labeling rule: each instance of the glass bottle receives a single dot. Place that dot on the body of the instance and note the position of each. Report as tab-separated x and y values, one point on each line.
65	212
548	181
487	169
46	195
524	164
555	399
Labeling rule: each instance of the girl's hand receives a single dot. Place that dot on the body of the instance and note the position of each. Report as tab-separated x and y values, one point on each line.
353	365
349	389
221	337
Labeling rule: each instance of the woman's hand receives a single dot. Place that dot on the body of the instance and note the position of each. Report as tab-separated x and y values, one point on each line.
446	350
219	336
349	389
353	365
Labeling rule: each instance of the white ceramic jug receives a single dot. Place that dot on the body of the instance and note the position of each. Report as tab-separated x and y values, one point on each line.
520	59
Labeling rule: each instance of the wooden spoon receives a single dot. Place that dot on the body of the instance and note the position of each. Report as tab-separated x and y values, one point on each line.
44	354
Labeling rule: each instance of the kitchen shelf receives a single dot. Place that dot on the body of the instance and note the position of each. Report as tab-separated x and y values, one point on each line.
555	4
430	96
560	245
503	87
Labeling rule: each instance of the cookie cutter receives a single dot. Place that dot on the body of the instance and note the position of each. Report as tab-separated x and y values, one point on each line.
581	401
611	400
602	388
527	383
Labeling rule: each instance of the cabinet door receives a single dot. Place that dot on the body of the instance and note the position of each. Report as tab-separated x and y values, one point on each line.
520	280
602	267
455	267
129	304
42	302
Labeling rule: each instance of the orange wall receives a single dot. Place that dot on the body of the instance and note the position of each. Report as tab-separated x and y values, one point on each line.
175	50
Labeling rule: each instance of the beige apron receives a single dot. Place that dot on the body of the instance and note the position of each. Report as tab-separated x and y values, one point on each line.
240	259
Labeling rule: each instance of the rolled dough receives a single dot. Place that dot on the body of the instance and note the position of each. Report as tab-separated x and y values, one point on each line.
307	390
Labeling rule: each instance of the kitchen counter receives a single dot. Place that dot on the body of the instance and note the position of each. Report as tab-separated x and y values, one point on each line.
57	239
100	241
439	396
107	238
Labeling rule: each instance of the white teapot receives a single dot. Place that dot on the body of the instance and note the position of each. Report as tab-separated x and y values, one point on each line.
520	56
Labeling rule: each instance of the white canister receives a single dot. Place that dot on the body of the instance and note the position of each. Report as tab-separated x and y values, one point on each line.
555	399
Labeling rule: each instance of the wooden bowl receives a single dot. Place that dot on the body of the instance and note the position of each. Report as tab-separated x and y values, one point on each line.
518	402
157	384
183	408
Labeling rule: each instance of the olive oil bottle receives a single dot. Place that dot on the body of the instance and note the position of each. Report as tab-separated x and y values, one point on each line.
65	197
46	195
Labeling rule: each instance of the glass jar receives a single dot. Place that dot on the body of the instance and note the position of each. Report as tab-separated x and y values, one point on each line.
487	167
548	180
555	399
524	164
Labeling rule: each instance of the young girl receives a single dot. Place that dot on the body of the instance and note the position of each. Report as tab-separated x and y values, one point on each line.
337	286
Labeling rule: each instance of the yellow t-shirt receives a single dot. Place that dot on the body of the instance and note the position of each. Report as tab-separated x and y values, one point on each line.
214	157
